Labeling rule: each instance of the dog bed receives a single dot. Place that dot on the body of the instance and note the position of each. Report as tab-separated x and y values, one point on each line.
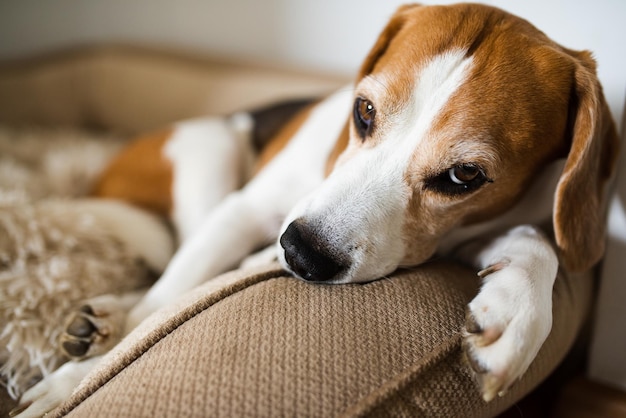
268	344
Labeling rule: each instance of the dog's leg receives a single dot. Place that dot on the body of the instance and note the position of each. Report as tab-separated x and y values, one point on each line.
143	234
248	219
211	158
239	225
511	317
53	389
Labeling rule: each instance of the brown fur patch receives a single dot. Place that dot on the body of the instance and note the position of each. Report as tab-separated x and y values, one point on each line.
140	174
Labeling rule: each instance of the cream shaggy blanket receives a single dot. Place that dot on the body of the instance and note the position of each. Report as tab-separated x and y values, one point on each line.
51	256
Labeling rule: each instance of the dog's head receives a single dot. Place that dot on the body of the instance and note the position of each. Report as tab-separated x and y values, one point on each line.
456	108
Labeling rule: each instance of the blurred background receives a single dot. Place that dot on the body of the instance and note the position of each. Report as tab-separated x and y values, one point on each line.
332	37
321	35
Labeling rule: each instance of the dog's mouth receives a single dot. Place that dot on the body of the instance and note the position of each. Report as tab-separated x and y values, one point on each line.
308	257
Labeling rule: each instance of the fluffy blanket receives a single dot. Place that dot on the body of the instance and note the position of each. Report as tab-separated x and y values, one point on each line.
51	256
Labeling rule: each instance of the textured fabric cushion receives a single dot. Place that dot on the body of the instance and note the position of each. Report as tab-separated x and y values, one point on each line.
260	343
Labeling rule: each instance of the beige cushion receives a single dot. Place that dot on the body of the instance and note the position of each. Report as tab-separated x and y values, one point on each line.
130	89
270	345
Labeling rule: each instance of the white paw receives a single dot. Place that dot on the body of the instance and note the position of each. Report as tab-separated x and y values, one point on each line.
52	390
94	328
506	325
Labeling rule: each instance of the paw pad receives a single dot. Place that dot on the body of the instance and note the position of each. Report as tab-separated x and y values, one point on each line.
80	327
80	332
89	331
76	348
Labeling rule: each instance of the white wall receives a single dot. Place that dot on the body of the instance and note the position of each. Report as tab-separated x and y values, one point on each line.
334	35
328	35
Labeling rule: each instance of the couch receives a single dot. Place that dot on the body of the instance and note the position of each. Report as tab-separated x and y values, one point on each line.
268	344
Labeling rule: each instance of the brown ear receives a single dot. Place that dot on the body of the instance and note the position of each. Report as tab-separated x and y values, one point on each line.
391	30
579	212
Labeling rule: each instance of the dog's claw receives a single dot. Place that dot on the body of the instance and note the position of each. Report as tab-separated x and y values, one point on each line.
19	409
494	268
473	363
471	325
492	386
479	337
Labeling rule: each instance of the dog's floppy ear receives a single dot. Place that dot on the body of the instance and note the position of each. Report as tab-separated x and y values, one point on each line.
579	213
378	50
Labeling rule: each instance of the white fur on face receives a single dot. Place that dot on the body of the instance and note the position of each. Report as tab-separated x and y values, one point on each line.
359	211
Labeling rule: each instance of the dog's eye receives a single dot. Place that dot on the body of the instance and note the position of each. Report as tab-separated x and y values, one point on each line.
460	179
364	113
463	174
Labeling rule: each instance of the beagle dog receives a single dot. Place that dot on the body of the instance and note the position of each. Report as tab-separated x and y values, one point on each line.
467	132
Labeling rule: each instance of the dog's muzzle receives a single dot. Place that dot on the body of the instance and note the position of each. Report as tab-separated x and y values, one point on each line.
307	256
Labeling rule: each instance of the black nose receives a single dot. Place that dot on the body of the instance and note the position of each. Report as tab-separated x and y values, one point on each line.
306	256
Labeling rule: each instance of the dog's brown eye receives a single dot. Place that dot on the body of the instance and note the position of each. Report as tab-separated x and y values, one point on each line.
462	174
364	113
457	180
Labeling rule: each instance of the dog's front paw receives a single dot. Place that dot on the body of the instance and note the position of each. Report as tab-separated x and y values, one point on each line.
506	325
93	328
